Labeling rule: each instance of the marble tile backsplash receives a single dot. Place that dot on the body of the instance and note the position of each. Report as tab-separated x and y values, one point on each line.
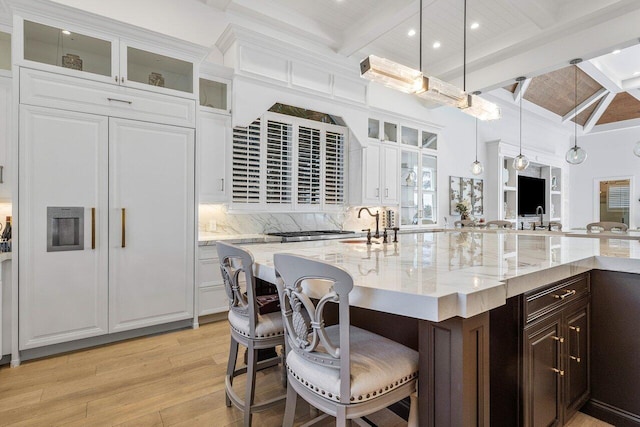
216	218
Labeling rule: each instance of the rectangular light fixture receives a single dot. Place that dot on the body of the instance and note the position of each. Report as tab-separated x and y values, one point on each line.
480	108
434	89
391	74
408	80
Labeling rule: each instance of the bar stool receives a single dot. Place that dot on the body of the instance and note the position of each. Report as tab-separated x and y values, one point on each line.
607	226
342	370
248	328
499	224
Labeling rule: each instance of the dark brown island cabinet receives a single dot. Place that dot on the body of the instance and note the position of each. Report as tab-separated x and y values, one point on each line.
540	355
568	346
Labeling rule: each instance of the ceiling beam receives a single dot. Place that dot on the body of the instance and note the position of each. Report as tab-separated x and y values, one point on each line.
594	70
598	112
584	105
379	21
521	88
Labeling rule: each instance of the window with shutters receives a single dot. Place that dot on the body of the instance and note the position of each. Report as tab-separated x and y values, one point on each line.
289	163
618	197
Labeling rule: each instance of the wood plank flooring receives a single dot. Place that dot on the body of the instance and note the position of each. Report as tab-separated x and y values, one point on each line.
174	379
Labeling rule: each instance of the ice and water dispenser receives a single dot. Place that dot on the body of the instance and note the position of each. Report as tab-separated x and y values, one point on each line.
65	229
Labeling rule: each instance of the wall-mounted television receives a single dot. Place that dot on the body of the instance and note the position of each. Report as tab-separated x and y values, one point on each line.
531	194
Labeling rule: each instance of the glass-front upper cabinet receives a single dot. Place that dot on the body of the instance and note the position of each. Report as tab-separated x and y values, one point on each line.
5	51
214	94
419	190
104	57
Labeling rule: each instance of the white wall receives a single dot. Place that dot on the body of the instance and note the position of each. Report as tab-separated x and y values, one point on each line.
609	154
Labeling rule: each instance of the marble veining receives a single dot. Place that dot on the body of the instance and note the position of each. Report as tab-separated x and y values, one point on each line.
436	276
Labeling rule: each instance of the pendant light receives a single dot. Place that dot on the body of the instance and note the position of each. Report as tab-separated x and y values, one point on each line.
576	155
476	167
521	162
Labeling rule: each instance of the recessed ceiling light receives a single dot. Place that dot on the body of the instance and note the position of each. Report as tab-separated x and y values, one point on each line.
66	32
615	52
436	45
475	25
411	32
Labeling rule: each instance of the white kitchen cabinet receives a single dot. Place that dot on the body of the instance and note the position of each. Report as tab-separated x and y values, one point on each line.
212	295
5	138
213	135
137	269
63	295
103	55
151	184
375	175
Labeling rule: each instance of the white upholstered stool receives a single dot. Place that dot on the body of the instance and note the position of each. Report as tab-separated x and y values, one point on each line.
342	370
248	328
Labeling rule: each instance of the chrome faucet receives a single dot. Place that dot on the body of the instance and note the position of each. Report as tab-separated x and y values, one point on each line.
540	211
376	216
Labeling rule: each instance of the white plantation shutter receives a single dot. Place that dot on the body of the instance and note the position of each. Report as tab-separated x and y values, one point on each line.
246	164
618	197
334	169
309	156
288	161
279	161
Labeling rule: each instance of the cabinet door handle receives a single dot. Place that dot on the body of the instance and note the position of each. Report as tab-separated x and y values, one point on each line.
577	330
560	339
558	371
121	79
124	228
93	228
567	293
377	192
1	174
386	192
221	184
116	79
120	100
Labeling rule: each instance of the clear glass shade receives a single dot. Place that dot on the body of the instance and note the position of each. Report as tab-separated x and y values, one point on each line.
636	149
480	108
521	162
576	155
477	168
444	93
391	74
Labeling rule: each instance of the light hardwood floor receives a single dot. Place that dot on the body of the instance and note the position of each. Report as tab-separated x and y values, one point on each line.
174	379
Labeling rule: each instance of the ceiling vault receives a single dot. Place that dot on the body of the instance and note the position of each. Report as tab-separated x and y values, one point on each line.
521	88
598	112
584	105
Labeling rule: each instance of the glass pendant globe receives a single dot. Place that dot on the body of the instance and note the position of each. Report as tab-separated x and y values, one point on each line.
636	149
476	168
576	155
521	162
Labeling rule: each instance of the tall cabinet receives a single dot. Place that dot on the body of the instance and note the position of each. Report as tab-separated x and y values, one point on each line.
107	194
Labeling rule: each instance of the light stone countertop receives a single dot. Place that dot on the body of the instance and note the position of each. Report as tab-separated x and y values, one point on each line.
5	256
436	276
209	239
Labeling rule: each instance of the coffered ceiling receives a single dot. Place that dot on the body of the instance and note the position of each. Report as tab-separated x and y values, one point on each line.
534	38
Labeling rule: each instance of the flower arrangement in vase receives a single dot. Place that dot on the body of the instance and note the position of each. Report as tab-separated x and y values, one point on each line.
463	208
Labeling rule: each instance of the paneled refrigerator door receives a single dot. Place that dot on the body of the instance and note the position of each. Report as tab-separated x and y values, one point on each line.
151	248
63	229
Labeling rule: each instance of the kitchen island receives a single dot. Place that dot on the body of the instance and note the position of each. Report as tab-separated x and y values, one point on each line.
443	286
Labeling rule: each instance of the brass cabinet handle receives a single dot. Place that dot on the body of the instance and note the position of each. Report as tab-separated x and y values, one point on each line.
577	329
558	371
93	228
124	227
567	293
558	339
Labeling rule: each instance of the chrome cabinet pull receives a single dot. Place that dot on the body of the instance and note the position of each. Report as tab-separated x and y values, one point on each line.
120	100
567	293
386	192
377	191
1	174
221	184
116	79
121	79
124	227
93	228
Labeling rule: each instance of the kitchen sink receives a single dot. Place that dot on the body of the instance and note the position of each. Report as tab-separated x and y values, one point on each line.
359	241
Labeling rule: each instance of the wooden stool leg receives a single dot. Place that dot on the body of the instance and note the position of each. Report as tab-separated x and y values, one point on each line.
251	383
231	367
290	408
